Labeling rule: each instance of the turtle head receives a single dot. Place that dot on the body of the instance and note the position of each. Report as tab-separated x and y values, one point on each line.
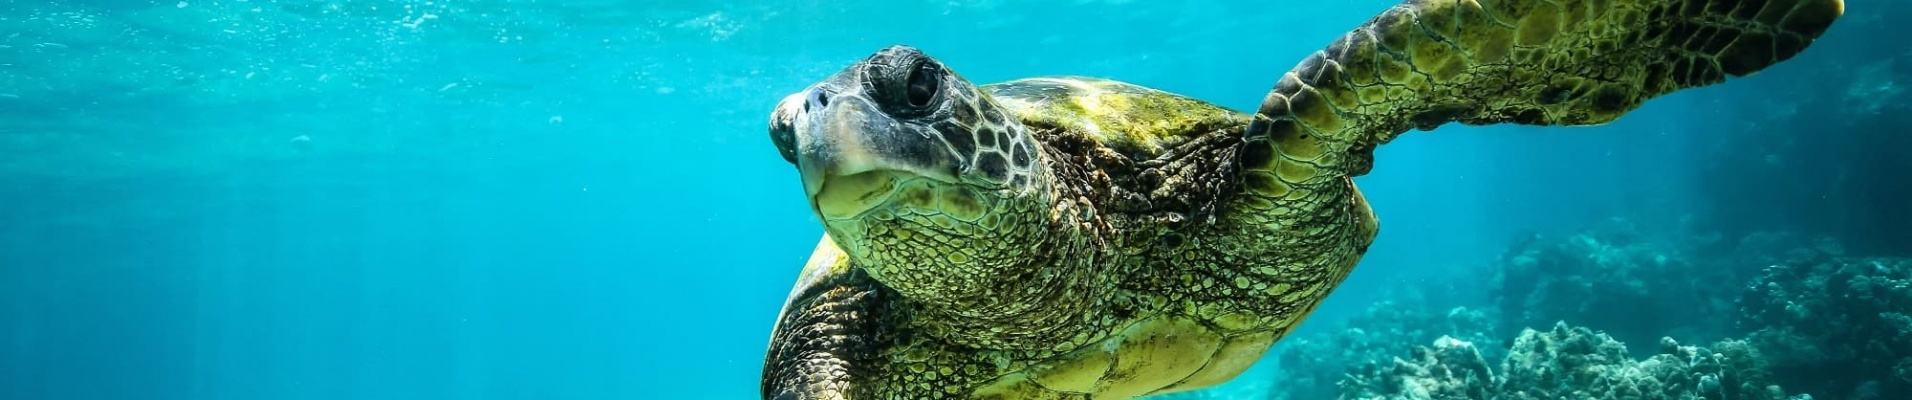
898	114
922	179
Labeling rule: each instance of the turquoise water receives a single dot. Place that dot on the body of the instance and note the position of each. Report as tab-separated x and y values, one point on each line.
578	200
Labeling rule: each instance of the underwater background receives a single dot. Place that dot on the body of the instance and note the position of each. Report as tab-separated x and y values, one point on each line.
451	199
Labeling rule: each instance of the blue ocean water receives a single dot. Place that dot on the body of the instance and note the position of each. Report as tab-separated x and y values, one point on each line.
450	199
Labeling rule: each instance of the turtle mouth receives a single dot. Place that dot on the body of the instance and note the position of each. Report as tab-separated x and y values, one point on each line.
853	157
855	195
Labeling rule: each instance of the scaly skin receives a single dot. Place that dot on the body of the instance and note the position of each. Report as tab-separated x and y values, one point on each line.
1534	62
1149	243
1133	166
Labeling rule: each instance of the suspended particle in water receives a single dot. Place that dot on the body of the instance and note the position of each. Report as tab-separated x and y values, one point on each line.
301	143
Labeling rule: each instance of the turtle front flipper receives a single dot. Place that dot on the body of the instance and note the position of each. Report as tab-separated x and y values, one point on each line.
828	333
1425	63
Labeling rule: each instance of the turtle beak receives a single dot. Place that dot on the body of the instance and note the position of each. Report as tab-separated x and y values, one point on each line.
831	140
851	150
843	147
783	126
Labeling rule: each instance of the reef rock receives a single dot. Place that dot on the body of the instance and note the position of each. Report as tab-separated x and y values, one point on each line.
1835	327
1569	362
1452	370
1312	365
1638	286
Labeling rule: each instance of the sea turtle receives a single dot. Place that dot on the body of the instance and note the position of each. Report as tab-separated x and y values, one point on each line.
1081	238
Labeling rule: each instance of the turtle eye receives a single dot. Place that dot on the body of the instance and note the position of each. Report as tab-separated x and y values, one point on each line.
924	80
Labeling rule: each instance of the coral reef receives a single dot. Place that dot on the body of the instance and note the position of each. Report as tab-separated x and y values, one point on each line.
1453	369
1570	362
1575	362
1836	327
1639	287
1311	365
1756	251
1781	310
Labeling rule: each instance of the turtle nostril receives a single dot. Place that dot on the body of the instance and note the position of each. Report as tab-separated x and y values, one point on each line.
819	99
